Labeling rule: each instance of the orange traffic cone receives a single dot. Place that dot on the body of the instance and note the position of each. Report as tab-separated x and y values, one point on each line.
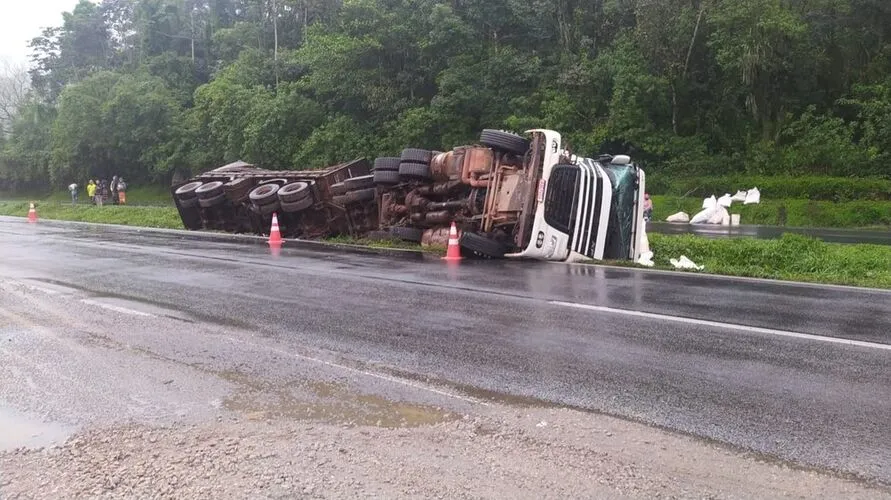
454	250
32	214
275	236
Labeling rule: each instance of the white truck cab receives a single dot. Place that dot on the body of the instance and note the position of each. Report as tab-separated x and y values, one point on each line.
585	208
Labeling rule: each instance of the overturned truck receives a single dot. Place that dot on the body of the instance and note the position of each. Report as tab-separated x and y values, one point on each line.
510	196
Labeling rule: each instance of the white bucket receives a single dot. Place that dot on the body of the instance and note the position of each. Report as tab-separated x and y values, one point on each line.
734	219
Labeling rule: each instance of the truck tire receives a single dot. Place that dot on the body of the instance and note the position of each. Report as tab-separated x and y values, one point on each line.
212	202
415	171
209	190
361	182
280	182
337	189
386	177
418	156
268	208
297	206
294	192
264	194
505	141
238	189
188	202
360	195
411	234
379	236
482	245
388	163
187	191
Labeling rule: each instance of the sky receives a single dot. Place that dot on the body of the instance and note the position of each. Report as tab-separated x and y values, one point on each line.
23	20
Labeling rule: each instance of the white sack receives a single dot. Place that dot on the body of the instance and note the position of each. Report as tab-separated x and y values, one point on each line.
725	201
646	259
753	196
709	202
685	263
739	196
720	213
703	216
679	217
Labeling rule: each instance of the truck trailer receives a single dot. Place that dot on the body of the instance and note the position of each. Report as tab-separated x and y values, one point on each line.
511	196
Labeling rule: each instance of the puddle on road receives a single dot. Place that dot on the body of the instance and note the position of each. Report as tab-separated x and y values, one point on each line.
328	402
20	430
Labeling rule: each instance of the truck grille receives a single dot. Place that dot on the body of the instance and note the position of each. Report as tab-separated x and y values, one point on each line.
589	237
562	197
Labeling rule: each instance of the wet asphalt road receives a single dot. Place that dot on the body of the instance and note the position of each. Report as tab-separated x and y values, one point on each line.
745	362
832	235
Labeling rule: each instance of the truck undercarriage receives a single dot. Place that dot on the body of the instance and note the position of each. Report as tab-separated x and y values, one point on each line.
509	195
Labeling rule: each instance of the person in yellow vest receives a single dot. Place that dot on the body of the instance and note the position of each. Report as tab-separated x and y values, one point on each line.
91	191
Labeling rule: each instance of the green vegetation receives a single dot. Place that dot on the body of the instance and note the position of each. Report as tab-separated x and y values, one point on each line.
158	89
386	243
152	195
795	213
145	216
793	257
779	187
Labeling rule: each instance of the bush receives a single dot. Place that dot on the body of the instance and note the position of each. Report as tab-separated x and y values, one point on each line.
796	213
836	189
792	257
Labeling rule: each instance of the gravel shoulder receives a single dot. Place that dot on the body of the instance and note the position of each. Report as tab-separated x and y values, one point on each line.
508	453
163	406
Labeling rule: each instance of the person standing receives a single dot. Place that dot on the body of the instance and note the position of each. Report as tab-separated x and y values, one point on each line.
91	191
113	187
122	191
72	188
647	207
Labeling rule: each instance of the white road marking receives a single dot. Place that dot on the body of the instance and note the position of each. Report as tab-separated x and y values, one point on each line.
380	376
119	309
729	326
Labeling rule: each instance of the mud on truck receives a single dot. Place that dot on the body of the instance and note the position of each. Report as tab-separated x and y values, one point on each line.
509	195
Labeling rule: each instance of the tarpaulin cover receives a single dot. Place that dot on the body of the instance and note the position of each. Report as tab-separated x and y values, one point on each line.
621	214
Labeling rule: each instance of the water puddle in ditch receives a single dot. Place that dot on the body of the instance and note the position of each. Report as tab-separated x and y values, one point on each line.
22	430
327	402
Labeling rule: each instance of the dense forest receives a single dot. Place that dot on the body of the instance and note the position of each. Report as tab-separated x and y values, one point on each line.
157	89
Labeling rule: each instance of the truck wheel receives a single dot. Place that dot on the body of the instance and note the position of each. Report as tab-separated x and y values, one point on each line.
188	202
415	171
268	208
482	245
264	194
411	234
337	189
188	190
360	195
388	163
419	156
379	236
280	182
294	192
297	206
212	202
238	189
361	182
512	143
386	177
210	190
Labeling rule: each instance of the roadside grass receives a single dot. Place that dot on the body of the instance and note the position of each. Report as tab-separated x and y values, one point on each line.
795	213
791	257
145	216
150	195
386	243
